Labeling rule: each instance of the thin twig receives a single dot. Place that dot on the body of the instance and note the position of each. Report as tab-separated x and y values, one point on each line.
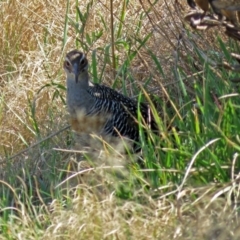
112	36
35	144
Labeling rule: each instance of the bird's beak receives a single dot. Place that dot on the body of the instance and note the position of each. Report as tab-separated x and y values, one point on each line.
75	71
76	78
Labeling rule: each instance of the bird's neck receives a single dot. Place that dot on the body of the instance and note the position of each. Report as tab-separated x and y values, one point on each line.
81	84
77	92
83	80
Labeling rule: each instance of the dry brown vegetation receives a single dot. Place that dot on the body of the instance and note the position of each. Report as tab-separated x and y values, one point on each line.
32	81
32	52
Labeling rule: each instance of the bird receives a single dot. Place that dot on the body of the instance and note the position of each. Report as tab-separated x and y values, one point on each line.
93	106
228	8
227	12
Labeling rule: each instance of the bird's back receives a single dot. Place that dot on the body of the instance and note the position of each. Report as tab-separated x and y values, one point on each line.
122	111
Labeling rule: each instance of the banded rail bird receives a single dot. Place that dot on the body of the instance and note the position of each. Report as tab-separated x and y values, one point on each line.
93	106
227	8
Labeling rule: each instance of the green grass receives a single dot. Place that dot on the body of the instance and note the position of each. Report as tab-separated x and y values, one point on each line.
183	184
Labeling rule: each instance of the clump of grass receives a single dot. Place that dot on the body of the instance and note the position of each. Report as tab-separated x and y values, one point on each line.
202	214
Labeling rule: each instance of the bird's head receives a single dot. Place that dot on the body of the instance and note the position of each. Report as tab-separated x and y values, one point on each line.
75	64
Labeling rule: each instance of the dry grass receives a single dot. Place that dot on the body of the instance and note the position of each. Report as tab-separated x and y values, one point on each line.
28	62
32	84
96	213
31	47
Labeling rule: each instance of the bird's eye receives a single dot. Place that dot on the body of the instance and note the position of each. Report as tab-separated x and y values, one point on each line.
66	64
82	62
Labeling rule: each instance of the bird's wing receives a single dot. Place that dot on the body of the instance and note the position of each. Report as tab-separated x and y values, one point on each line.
110	101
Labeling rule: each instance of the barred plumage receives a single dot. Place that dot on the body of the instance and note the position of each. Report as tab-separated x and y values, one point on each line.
119	111
222	8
